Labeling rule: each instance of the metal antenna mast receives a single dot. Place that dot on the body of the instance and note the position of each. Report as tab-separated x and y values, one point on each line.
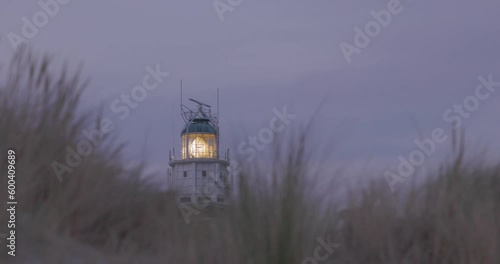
218	134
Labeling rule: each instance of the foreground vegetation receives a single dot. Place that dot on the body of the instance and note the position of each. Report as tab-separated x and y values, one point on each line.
104	212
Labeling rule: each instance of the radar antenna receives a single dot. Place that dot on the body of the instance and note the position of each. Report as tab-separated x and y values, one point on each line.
198	102
203	111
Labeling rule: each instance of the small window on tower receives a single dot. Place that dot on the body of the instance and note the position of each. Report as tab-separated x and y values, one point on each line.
185	174
204	173
223	176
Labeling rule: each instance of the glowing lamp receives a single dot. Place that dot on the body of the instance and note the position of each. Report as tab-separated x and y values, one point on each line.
198	147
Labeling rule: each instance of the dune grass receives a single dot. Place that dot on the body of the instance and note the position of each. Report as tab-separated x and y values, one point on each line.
104	212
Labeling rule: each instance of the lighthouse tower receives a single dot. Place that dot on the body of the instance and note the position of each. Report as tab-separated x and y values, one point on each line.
198	172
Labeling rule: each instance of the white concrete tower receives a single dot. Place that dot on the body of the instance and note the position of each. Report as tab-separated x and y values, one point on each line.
199	174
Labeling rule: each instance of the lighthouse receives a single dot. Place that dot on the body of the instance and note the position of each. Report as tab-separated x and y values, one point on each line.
198	172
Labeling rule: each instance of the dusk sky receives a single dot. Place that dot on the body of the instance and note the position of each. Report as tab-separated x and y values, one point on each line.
265	55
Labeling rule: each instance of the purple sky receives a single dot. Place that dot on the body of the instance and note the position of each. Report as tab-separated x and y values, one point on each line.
271	54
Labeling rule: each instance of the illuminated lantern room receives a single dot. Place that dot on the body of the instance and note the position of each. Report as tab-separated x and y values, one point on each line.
199	140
